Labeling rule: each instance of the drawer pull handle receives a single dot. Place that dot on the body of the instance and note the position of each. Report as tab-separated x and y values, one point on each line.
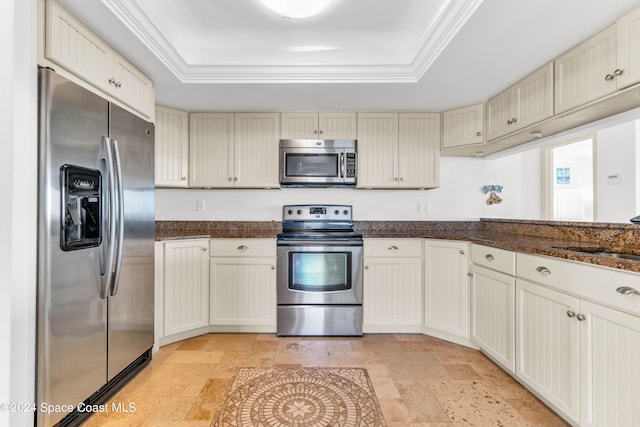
543	270
571	314
580	317
366	267
489	257
393	248
461	252
243	247
626	290
273	267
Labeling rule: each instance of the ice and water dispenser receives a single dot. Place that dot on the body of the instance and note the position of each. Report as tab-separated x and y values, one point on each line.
81	207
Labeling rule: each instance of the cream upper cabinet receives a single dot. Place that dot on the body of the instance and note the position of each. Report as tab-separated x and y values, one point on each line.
446	289
586	72
463	127
256	150
525	103
234	150
171	147
71	44
628	40
398	150
211	149
310	125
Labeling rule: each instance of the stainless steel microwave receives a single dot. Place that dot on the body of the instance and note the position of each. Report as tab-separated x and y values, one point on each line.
318	162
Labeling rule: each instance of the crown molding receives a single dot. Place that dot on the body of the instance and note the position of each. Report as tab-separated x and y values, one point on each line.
450	19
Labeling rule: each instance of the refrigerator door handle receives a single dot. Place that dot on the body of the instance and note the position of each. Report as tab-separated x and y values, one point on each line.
107	274
120	217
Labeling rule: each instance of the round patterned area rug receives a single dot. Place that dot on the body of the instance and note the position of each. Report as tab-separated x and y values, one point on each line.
300	397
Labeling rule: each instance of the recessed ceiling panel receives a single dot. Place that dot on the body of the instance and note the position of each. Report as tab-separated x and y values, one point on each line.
212	41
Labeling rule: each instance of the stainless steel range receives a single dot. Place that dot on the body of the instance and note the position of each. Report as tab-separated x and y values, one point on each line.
319	272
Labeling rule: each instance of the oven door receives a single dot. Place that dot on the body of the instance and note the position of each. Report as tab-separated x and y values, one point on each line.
319	272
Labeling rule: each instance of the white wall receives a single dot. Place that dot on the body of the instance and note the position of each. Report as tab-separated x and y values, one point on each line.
616	176
18	151
458	198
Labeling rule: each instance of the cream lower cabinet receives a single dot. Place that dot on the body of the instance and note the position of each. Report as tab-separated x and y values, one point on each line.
446	289
493	289
610	379
548	346
184	289
243	285
398	150
578	335
392	285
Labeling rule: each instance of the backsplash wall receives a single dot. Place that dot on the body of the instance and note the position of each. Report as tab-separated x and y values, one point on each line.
459	197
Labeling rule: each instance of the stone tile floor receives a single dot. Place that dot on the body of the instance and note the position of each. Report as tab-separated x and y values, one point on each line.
419	380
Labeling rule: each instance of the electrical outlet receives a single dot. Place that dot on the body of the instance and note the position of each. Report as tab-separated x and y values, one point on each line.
423	208
200	206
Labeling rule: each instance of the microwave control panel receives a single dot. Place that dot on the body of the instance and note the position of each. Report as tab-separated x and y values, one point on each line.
351	165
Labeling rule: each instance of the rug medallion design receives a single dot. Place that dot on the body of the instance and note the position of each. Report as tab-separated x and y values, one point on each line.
300	397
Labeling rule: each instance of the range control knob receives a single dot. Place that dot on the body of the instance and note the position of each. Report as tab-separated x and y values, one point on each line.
346	212
289	211
336	212
299	212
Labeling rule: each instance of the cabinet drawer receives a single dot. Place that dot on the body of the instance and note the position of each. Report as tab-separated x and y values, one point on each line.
599	284
242	247
494	258
393	247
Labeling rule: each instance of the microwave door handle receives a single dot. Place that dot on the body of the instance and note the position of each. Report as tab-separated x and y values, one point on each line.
342	165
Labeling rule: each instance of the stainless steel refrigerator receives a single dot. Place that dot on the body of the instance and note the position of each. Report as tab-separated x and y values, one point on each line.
95	249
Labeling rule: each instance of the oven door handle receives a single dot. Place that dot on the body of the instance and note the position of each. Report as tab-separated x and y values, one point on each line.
320	243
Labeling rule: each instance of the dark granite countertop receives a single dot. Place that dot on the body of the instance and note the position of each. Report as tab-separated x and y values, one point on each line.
538	237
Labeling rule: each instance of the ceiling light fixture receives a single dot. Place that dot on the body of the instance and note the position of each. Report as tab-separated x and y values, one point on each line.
296	9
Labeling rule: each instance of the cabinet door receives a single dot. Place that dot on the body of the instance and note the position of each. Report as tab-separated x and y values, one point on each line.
581	75
547	346
243	291
211	137
132	87
171	147
500	114
377	150
463	127
446	287
337	125
628	41
534	97
493	310
299	125
257	136
392	294
186	285
610	382
71	44
419	150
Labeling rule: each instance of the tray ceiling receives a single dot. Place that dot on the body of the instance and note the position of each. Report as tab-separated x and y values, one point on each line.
359	55
222	41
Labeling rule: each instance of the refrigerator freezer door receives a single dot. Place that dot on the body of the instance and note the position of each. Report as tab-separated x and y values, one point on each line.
131	301
72	316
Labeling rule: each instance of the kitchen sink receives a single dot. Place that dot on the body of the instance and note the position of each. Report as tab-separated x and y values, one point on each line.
599	252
